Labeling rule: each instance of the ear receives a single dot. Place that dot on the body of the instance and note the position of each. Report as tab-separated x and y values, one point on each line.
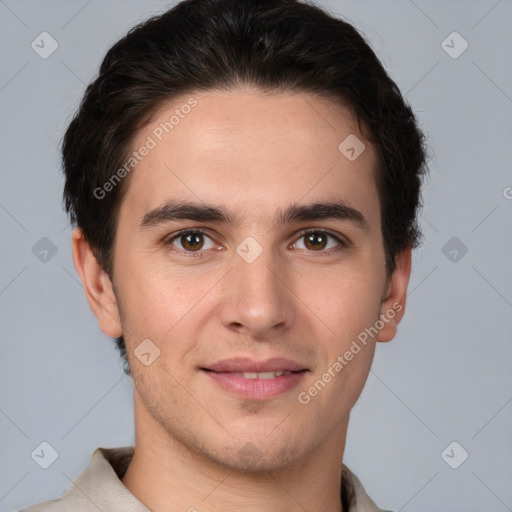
393	303
97	286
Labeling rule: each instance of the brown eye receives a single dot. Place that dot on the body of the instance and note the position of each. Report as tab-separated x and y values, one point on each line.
191	241
315	241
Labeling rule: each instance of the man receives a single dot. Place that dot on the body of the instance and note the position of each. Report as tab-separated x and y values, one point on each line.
245	180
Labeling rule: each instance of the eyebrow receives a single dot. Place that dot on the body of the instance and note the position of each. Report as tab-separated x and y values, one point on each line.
181	210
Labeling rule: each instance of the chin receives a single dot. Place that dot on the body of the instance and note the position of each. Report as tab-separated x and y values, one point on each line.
258	456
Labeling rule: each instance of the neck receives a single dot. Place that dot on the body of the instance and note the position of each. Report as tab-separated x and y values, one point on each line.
167	476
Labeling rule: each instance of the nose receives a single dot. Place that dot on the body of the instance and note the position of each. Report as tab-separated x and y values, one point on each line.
257	299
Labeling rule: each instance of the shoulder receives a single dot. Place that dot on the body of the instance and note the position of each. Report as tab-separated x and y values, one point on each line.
359	499
48	506
68	502
98	487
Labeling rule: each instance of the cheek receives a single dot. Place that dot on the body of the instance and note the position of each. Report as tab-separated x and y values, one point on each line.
349	344
346	301
159	299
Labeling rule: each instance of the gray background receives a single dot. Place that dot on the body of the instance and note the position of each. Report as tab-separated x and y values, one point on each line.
447	375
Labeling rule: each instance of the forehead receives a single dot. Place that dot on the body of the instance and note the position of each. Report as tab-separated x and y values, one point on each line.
253	152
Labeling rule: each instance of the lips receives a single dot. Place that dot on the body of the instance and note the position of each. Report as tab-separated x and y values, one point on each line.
261	375
256	380
246	365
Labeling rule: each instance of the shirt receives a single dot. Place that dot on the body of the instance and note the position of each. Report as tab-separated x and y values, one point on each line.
99	487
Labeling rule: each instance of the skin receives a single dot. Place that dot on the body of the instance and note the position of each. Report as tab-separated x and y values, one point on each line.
295	300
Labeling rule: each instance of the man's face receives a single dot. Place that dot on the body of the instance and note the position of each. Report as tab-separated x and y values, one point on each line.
256	287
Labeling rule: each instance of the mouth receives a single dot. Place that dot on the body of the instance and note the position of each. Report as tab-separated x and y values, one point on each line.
256	385
258	375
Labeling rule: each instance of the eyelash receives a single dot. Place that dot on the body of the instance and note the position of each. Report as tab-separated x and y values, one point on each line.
343	244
